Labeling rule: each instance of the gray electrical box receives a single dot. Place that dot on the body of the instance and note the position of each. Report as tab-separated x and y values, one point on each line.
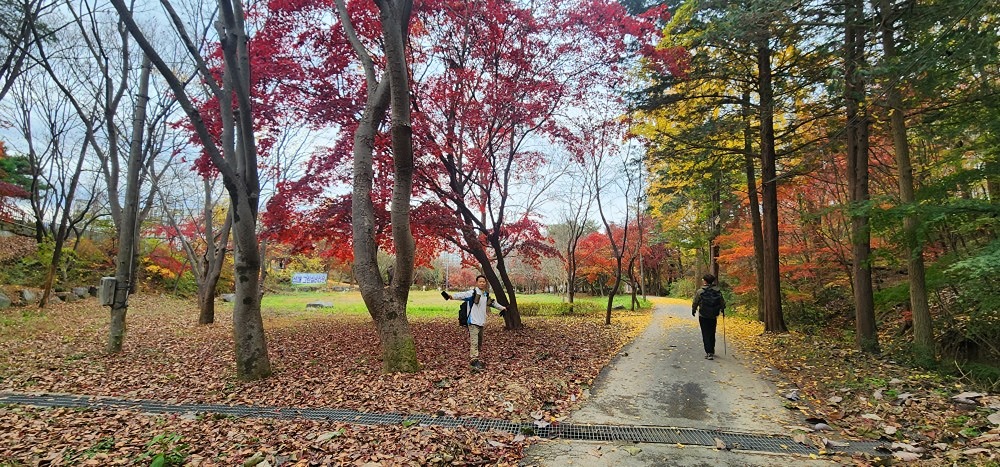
106	293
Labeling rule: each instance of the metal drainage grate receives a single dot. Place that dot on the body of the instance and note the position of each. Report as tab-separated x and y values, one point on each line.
637	434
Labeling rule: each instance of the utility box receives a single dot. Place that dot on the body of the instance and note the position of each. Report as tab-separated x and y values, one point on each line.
106	292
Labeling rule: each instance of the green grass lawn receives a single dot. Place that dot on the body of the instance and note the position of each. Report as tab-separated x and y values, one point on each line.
424	304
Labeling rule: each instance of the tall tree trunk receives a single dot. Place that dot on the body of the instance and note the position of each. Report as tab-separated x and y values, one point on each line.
774	318
386	302
858	123
128	237
235	158
754	202
923	335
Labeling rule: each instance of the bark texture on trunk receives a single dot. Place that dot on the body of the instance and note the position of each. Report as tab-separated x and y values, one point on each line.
774	320
386	303
858	123
923	333
127	228
754	201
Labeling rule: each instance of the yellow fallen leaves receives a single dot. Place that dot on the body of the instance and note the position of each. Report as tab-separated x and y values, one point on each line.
741	328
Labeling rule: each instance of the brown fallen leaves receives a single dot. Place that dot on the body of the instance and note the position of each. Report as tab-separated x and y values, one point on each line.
16	246
66	436
322	362
919	415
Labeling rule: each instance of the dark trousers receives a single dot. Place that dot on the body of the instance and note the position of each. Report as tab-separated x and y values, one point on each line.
708	333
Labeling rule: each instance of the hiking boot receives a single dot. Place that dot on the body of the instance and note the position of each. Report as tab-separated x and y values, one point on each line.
710	356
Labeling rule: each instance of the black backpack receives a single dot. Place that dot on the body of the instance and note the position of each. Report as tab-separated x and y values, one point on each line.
711	302
463	311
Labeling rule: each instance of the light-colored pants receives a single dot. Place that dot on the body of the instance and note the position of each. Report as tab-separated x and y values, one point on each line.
475	340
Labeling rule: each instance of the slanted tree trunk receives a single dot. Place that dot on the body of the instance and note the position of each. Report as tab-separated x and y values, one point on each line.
386	302
858	123
617	252
511	320
235	158
62	233
923	335
128	237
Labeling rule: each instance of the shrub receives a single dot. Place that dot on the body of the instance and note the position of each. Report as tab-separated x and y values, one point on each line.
577	308
683	288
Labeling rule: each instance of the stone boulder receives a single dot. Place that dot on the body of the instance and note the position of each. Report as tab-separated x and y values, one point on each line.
228	297
80	292
319	304
28	296
5	301
66	296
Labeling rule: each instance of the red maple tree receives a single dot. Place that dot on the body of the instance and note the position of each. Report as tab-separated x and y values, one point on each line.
489	80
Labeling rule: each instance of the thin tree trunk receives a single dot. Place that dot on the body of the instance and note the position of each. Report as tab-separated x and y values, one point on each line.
127	229
716	230
62	233
754	202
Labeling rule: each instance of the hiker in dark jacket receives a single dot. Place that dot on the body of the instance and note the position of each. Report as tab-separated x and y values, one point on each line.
708	303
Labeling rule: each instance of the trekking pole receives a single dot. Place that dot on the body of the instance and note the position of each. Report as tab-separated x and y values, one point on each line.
725	351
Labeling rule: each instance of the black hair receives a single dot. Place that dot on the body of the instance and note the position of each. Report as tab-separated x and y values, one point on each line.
709	279
484	277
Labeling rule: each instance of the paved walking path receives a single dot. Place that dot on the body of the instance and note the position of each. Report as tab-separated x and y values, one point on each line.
659	402
662	379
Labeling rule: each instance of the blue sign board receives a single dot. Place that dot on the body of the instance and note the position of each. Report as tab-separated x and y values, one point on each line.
300	278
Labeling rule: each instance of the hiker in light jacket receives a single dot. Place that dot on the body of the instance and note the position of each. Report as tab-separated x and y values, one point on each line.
707	304
477	316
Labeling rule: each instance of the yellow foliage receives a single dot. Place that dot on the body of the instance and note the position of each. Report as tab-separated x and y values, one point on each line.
155	271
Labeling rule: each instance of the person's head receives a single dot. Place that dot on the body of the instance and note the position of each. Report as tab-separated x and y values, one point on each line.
481	282
708	278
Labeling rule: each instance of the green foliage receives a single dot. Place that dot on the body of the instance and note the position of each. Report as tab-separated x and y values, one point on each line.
578	307
876	383
185	285
81	263
981	264
164	450
103	445
808	317
90	261
20	318
30	270
970	432
16	170
684	287
984	375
